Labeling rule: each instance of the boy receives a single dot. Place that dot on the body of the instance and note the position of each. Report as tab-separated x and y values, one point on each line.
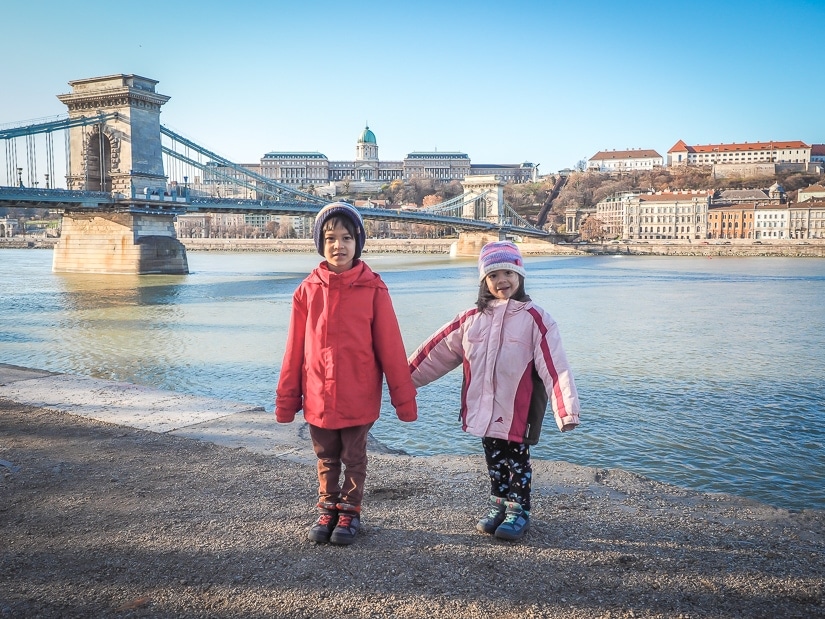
343	338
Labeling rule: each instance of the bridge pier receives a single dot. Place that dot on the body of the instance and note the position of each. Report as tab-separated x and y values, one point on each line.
469	244
119	243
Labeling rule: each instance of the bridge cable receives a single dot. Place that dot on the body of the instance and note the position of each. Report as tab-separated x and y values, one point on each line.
68	149
31	160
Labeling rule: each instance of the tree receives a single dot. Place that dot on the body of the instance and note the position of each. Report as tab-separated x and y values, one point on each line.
592	229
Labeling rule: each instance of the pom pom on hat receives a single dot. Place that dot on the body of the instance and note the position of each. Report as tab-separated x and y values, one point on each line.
498	256
341	209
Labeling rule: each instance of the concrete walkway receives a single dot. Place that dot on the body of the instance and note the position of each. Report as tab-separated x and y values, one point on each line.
226	423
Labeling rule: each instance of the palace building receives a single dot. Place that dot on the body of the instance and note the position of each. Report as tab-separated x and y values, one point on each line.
302	169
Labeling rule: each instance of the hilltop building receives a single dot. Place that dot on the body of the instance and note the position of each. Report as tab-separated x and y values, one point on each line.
746	153
625	160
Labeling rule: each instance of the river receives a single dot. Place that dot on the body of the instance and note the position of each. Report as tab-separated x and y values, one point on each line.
704	373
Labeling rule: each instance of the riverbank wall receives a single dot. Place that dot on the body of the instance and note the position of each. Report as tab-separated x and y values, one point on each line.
814	248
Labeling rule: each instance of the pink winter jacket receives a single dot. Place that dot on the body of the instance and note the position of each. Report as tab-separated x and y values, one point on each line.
499	349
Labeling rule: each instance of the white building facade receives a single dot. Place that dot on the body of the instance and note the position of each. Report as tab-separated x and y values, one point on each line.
812	192
665	215
745	153
806	220
625	160
771	222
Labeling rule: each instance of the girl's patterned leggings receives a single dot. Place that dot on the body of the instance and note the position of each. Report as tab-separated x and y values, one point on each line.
511	473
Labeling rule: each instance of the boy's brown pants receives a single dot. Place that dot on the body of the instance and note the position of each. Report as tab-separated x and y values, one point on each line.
347	446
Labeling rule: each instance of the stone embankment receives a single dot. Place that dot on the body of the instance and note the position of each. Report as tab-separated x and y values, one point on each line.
814	248
19	242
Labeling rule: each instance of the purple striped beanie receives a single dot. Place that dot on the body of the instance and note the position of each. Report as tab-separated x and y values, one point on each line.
498	256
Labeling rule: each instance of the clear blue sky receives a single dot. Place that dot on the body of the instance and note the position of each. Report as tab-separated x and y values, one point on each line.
541	81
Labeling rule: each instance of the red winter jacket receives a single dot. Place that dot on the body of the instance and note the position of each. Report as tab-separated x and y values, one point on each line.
343	338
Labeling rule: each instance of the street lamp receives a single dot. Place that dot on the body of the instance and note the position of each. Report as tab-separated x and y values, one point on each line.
47	181
186	187
19	177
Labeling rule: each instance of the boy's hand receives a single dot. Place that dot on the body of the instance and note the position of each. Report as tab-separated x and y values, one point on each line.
282	416
407	411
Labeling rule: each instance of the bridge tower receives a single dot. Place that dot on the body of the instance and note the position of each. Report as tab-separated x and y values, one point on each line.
489	207
122	154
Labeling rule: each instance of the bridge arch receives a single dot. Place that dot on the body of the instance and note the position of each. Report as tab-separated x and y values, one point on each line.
101	156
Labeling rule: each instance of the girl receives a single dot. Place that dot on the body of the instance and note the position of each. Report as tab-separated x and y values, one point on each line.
513	362
343	339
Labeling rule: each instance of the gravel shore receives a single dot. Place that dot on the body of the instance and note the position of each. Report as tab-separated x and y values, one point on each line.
100	520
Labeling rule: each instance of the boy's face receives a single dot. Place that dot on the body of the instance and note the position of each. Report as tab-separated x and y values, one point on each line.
502	284
339	248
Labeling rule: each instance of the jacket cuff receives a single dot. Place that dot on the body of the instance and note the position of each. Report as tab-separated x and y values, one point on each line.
407	411
570	422
284	416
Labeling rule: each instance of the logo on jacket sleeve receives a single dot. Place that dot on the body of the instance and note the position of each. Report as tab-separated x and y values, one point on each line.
499	420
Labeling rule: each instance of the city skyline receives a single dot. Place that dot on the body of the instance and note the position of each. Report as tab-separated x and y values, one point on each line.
550	83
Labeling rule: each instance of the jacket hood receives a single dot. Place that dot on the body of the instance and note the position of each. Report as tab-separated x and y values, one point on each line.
511	304
359	275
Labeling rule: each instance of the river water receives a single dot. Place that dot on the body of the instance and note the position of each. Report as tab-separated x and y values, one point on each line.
705	373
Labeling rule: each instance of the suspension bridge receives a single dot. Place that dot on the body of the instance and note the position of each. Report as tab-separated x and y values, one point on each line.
124	177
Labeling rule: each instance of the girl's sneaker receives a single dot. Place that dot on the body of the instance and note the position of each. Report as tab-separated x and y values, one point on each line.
516	522
494	516
321	531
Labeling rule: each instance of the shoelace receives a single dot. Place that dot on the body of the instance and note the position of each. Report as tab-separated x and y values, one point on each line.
494	511
324	519
344	521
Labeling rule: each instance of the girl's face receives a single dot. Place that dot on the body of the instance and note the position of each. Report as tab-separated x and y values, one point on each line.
339	248
502	284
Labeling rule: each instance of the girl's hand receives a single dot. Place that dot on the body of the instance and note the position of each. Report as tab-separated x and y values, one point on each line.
569	426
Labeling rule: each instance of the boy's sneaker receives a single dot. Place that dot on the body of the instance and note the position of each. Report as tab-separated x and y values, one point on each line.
516	522
321	531
349	521
494	516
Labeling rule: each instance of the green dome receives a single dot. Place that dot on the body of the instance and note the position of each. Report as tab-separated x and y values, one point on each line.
368	137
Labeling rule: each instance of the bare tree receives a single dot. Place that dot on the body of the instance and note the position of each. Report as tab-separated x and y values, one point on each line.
592	229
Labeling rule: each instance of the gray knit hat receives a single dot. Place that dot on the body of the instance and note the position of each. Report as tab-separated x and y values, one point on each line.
341	209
